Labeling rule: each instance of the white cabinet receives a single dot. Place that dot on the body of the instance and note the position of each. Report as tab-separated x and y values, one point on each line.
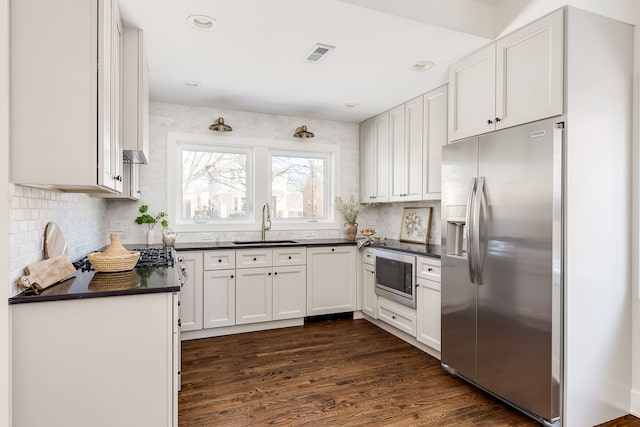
254	293
434	137
218	298
331	280
428	301
368	272
406	151
65	94
374	149
397	315
121	355
135	98
191	292
289	292
516	80
130	184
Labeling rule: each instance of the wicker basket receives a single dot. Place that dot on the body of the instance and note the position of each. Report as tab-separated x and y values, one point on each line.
115	258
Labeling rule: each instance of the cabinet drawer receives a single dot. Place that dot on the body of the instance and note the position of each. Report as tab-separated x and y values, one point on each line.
290	256
397	316
428	268
219	260
250	258
369	256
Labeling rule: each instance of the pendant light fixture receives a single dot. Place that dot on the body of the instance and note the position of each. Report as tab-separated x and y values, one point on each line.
219	126
302	132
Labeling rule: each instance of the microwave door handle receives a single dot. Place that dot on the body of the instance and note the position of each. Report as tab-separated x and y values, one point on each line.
468	233
477	205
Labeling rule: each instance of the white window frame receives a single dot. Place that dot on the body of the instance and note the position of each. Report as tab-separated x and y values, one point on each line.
328	178
258	181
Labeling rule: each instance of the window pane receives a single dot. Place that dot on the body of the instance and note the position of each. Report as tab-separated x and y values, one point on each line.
298	187
214	185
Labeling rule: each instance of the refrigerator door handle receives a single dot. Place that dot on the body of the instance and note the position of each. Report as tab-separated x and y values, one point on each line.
468	229
477	205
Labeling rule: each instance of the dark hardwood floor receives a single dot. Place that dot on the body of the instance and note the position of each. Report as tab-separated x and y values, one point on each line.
331	373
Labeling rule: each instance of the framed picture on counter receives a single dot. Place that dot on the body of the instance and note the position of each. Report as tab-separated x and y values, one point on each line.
415	225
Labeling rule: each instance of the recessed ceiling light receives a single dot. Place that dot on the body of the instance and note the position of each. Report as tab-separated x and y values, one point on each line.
422	65
201	22
351	104
191	83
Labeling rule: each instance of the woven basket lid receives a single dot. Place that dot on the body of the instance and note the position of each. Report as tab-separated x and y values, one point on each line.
116	247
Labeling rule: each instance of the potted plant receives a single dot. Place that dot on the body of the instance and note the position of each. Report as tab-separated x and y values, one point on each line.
350	210
151	221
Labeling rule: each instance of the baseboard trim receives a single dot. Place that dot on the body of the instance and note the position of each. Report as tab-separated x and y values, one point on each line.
635	403
403	336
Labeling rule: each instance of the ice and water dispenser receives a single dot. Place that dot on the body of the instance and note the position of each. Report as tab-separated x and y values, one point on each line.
455	216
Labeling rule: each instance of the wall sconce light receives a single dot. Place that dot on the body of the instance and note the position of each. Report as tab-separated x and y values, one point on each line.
219	126
302	132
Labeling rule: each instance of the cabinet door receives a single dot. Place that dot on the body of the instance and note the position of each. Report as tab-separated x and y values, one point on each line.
191	292
367	162
413	125
529	72
105	94
289	292
472	88
381	157
116	99
369	297
219	298
331	280
434	137
428	308
254	290
398	154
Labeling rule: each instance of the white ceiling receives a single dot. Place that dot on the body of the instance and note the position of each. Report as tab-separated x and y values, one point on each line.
252	60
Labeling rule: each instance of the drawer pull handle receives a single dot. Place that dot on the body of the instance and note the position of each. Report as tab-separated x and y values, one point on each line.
429	269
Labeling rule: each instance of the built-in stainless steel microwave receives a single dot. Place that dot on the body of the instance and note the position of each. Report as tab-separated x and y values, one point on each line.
396	276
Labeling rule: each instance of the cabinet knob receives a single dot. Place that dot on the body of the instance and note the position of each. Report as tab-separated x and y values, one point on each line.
179	322
255	259
276	273
333	250
489	121
393	317
497	119
373	272
289	257
269	274
220	260
429	269
118	178
232	276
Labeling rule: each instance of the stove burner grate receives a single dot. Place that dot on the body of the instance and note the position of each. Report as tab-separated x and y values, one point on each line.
149	257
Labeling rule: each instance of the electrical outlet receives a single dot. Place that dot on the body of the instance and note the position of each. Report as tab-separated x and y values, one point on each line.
207	236
116	225
310	234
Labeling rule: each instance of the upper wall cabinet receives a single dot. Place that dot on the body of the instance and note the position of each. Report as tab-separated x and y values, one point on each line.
135	98
434	137
374	150
406	151
65	122
516	80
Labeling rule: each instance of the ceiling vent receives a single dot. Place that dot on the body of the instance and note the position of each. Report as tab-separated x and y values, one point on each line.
318	52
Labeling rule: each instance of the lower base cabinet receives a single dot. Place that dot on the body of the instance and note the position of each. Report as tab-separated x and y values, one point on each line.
398	316
219	298
254	295
369	297
428	294
331	280
289	292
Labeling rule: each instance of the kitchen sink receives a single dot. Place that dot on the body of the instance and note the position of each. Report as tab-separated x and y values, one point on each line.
263	242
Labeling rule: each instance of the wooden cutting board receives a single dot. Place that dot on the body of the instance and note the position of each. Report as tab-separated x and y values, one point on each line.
43	274
54	243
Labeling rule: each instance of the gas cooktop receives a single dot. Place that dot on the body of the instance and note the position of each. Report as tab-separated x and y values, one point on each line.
149	257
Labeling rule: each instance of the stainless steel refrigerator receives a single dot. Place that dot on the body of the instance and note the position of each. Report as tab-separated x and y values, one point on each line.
502	265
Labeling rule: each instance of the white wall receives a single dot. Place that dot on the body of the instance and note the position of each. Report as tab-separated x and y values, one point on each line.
5	335
196	120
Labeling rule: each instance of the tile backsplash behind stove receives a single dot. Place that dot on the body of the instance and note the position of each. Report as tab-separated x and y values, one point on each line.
385	219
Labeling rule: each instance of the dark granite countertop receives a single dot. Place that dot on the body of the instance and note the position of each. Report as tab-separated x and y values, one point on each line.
197	246
433	251
89	284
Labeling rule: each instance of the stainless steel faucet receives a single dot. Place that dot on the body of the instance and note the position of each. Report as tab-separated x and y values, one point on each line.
266	220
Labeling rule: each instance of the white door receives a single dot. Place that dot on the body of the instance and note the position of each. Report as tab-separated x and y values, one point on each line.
529	72
254	290
369	297
381	162
397	153
413	120
367	162
191	293
428	308
331	280
289	292
116	98
435	136
472	88
219	298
